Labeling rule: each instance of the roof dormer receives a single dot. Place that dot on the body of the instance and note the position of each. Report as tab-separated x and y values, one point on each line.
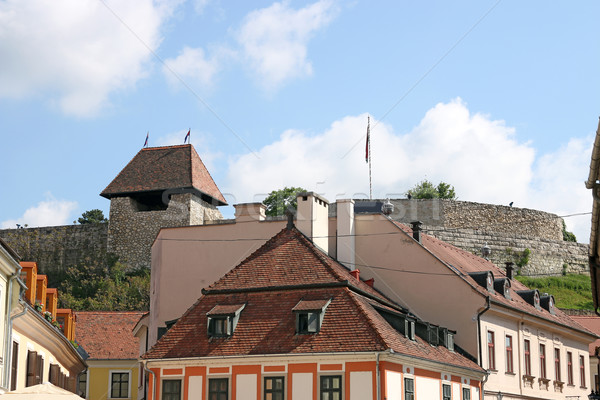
485	279
531	296
309	315
222	319
502	285
547	302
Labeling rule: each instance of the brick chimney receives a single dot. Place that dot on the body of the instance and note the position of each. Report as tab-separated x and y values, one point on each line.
312	218
416	228
510	269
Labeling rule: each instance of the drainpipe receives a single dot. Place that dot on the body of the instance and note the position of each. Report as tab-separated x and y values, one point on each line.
8	337
153	380
483	382
479	314
378	377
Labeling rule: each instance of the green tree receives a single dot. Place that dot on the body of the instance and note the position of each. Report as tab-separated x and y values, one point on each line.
94	216
278	200
567	236
427	190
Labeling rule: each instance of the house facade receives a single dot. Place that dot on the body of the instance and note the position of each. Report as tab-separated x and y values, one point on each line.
113	367
290	322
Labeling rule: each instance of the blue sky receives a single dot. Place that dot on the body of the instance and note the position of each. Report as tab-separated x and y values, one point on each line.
498	98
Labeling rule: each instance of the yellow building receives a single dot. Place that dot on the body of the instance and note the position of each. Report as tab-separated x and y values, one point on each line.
113	368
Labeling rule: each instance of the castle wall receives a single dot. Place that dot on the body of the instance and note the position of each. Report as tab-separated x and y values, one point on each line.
131	232
57	247
470	225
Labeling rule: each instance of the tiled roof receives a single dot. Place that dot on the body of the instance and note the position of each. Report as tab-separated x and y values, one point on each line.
106	335
301	275
162	168
462	263
592	323
222	309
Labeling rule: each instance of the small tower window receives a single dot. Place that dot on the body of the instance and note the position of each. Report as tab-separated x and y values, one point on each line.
223	319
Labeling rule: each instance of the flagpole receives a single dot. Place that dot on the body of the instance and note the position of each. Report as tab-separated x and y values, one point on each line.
369	151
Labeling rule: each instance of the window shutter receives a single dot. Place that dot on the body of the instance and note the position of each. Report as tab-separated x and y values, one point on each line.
31	368
14	366
39	373
54	371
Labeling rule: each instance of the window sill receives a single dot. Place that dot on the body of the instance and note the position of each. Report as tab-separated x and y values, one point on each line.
583	387
493	370
528	377
544	380
510	373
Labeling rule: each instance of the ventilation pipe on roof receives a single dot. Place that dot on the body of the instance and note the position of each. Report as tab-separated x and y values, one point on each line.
510	268
416	228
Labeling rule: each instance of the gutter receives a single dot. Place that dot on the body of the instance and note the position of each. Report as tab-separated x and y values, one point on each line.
11	318
154	386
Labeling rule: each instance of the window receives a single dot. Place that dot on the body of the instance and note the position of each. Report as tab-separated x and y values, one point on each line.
491	351
274	388
466	394
82	385
543	361
446	392
527	352
171	389
35	364
308	322
331	387
509	354
218	389
14	366
569	368
582	370
119	385
409	389
557	365
218	326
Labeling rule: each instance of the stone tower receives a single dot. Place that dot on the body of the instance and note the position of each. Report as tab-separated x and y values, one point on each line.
160	187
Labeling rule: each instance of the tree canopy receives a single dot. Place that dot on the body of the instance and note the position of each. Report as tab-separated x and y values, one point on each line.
278	200
94	216
427	190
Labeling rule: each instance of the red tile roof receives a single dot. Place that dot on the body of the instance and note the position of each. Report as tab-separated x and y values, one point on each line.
162	168
286	272
592	323
462	263
106	335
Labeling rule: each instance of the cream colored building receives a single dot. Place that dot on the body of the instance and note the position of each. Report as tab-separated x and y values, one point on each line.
531	349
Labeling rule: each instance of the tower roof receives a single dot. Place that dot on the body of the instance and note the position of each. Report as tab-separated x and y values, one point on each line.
162	168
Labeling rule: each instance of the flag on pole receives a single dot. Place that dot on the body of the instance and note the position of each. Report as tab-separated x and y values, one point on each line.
368	139
187	137
146	142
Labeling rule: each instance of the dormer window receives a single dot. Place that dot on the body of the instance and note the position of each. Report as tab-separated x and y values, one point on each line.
547	302
531	296
502	285
409	328
485	279
222	319
309	315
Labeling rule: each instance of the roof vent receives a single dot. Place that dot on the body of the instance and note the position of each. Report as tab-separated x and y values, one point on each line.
510	269
531	296
416	228
387	208
486	251
502	285
485	279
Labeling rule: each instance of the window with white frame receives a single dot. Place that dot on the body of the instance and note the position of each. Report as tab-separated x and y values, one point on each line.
570	368
409	389
331	387
446	391
466	392
119	384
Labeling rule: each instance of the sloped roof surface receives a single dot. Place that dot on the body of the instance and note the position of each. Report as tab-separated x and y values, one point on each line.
300	274
107	335
462	263
592	323
162	168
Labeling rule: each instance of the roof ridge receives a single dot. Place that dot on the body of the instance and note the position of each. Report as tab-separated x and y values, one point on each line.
206	169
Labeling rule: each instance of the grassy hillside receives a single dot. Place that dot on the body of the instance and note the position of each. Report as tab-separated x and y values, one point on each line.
570	291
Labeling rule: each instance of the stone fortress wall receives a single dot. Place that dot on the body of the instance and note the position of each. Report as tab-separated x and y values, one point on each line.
470	226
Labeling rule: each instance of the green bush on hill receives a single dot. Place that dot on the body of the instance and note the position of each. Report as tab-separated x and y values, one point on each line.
570	291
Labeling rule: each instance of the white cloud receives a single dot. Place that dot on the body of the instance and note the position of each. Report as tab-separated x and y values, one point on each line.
76	52
48	212
192	66
274	40
479	156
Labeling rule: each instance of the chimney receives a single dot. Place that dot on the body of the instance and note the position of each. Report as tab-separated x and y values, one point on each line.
416	228
345	240
245	212
370	282
356	274
510	269
312	218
